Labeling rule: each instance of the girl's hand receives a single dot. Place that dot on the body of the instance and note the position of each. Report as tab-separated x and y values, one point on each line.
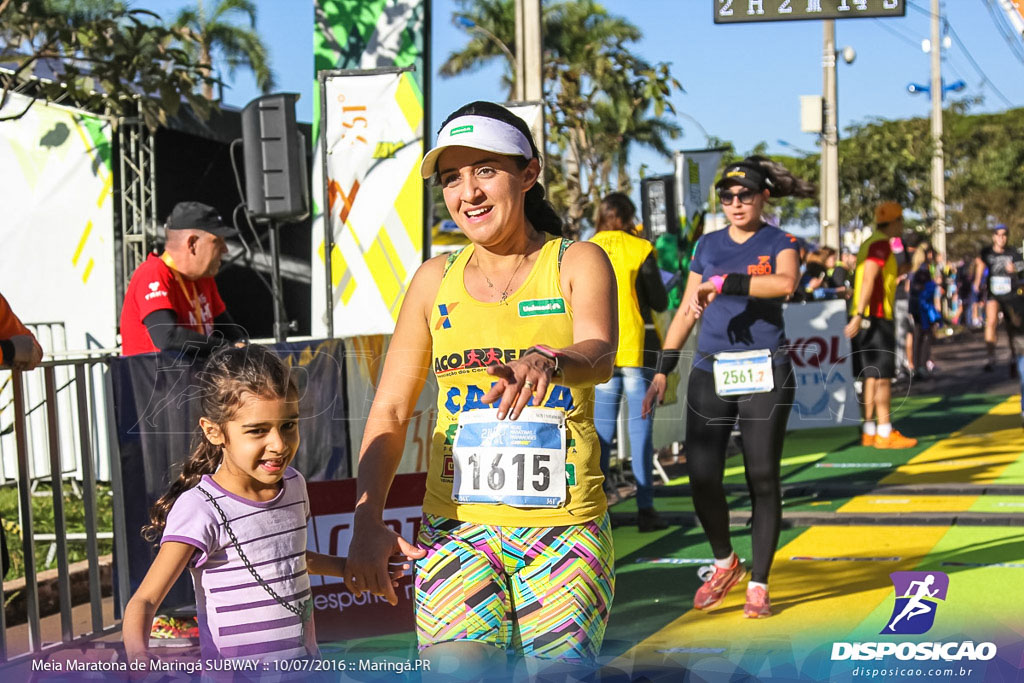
370	555
398	566
704	295
518	382
655	395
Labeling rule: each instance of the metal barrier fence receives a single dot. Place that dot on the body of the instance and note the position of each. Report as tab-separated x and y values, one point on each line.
52	337
71	402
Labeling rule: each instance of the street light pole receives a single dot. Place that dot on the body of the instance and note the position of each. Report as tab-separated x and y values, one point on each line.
529	47
829	209
938	164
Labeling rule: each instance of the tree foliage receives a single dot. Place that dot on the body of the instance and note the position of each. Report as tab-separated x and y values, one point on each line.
213	33
110	59
984	163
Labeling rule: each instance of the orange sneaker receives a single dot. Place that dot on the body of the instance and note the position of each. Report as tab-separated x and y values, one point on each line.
717	583
758	605
867	439
894	441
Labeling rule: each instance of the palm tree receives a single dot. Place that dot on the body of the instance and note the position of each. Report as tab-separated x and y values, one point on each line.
237	45
490	22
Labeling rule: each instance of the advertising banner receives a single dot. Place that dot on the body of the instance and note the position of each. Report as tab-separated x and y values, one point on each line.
366	35
372	138
339	614
823	364
56	263
695	174
57	259
364	359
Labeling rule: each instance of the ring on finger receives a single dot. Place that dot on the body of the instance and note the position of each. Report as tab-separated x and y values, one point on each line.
528	384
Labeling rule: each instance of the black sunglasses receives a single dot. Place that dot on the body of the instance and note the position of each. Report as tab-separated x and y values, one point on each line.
745	197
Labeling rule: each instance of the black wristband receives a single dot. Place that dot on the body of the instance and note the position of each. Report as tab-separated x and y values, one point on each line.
736	284
6	353
668	359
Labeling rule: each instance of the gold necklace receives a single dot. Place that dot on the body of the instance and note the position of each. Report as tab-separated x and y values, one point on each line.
504	292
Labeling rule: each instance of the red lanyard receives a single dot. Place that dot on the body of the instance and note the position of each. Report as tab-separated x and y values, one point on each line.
192	298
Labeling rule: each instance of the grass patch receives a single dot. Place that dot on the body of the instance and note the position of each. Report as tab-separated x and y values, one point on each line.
43	523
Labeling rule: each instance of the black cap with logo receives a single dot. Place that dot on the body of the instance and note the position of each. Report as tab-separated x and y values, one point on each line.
196	216
742	174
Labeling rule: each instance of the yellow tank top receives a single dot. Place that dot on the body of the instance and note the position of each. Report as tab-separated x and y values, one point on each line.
468	335
627	253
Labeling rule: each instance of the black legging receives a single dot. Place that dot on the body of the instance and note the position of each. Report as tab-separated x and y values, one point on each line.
762	421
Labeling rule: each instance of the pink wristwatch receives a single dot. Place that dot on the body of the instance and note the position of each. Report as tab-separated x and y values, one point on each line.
550	353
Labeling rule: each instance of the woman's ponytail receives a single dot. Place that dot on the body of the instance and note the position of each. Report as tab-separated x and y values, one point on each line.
540	213
781	181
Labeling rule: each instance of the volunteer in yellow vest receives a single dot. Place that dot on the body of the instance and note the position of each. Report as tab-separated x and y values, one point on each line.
872	328
638	280
515	549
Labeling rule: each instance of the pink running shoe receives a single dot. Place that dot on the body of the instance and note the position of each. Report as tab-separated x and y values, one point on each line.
758	605
717	582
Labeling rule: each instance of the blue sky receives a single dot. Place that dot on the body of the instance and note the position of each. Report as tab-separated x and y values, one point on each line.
742	82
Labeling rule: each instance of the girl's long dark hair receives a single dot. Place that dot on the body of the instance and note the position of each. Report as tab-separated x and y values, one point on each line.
781	181
228	375
539	211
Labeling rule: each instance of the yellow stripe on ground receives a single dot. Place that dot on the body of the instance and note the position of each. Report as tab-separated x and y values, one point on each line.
738	469
977	454
811	599
909	503
88	271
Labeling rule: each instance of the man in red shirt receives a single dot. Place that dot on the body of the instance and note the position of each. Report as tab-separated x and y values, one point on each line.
172	302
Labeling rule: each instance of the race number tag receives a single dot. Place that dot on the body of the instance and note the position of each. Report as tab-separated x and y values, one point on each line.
512	462
1000	285
743	372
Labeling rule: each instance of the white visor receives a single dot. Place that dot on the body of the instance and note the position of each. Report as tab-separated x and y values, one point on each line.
477	132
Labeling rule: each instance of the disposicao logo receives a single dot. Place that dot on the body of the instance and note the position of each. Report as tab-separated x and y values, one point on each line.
917	596
917	600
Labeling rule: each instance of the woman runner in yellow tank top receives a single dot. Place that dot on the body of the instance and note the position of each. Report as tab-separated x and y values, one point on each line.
514	556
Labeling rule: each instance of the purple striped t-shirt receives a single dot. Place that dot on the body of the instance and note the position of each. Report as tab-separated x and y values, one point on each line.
238	617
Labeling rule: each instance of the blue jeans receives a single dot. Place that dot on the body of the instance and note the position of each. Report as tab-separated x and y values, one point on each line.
1020	374
632	382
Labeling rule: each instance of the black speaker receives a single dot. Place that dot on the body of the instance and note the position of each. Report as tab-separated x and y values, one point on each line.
658	206
276	182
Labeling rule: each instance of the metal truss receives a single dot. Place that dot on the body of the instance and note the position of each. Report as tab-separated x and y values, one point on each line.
137	184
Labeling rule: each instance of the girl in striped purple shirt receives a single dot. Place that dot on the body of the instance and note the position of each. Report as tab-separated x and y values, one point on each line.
236	517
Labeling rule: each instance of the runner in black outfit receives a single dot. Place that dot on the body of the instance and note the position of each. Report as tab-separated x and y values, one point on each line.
738	280
1003	266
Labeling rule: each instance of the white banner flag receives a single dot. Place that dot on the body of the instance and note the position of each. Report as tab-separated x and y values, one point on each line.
372	137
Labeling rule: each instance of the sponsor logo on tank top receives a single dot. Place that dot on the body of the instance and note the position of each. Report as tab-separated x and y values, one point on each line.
473	359
763	266
541	307
444	322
